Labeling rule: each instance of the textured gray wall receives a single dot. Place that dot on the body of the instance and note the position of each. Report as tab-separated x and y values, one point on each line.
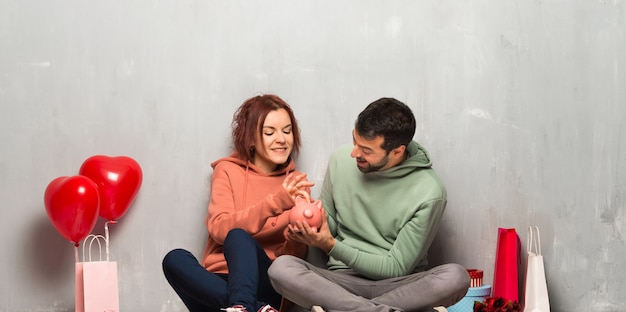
521	103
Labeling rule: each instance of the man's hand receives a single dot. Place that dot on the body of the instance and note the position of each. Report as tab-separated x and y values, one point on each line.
303	233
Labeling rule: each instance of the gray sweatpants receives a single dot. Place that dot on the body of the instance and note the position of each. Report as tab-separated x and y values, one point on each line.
346	291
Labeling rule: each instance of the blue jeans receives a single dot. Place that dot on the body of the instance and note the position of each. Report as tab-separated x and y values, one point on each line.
246	283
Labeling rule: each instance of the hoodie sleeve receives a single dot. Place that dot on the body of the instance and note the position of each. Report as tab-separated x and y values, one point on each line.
223	214
408	250
328	203
292	248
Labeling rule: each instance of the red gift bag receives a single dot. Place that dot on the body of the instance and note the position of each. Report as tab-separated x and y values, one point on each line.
506	271
96	283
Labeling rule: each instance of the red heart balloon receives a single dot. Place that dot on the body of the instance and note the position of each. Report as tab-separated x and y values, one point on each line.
72	206
118	180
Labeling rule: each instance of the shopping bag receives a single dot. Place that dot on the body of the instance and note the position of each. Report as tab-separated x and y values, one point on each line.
96	282
535	285
506	271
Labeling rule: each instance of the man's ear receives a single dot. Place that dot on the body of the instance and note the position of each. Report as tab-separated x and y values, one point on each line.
398	151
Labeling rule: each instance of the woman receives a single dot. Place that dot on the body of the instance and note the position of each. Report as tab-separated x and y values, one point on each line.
252	191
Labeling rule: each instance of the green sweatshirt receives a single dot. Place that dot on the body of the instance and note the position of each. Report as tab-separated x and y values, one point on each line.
384	221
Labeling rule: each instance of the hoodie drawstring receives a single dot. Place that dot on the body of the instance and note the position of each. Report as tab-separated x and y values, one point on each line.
245	187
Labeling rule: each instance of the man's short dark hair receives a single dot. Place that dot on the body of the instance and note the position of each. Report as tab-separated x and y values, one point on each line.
389	118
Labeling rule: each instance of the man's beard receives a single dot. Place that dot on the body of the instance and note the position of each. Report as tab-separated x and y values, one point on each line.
374	167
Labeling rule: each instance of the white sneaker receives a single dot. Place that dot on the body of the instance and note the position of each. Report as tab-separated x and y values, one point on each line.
317	309
440	309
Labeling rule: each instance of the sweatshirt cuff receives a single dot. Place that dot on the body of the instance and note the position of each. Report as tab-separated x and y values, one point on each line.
343	253
281	201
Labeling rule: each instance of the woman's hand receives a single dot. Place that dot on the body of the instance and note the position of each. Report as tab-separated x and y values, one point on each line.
297	185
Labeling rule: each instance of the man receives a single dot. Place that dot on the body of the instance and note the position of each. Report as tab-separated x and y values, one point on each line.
381	218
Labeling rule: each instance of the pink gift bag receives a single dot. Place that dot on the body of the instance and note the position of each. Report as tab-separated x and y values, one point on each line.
96	283
506	271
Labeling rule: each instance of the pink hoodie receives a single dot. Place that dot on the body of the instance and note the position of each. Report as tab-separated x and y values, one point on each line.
242	196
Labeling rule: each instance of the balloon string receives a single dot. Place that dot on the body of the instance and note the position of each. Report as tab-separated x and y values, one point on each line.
76	252
106	234
106	240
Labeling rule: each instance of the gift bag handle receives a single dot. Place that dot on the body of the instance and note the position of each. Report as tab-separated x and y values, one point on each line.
534	240
91	238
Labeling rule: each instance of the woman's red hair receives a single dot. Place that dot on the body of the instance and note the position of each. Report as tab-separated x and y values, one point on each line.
248	121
